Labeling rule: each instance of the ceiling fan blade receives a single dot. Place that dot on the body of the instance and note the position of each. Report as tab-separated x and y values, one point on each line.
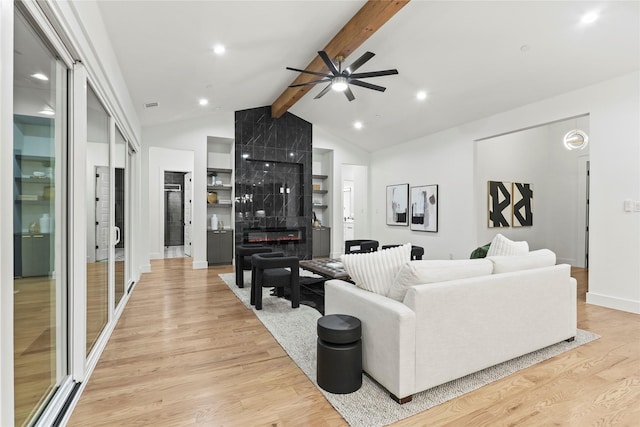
367	85
328	62
349	94
323	91
309	72
360	61
373	74
314	82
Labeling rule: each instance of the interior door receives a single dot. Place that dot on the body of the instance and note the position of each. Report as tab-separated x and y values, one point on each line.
188	196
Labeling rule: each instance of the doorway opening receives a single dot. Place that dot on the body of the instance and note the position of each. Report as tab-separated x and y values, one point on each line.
174	214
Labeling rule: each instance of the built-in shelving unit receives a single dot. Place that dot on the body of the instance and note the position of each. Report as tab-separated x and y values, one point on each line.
220	201
34	200
319	191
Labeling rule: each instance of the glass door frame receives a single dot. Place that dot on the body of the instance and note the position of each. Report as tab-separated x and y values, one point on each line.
64	355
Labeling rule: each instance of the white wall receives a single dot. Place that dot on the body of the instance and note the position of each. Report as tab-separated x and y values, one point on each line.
447	158
162	160
444	159
185	136
344	153
537	156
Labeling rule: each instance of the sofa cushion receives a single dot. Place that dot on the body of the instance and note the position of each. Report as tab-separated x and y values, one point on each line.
534	259
375	271
500	245
433	271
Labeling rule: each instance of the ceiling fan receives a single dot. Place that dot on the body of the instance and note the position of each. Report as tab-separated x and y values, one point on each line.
340	79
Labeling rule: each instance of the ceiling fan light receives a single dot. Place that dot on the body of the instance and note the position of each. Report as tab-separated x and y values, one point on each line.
339	84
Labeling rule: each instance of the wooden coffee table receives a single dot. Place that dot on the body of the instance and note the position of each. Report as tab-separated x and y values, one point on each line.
326	267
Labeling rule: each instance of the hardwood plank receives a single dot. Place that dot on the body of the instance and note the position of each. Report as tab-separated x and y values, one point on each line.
187	352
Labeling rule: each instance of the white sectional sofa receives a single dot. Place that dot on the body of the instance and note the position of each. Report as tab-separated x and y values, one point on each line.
444	330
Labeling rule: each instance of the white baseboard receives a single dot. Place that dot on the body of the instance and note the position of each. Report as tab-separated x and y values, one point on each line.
200	264
156	255
613	302
145	268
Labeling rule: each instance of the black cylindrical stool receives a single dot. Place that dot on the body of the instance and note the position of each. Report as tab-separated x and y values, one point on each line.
339	365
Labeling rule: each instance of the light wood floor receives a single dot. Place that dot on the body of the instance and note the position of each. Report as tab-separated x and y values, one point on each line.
186	352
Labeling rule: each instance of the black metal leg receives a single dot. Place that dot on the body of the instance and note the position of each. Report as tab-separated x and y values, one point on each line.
239	272
258	289
295	294
253	286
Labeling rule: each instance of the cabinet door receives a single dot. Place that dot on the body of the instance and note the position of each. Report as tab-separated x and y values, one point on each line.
219	247
35	255
321	242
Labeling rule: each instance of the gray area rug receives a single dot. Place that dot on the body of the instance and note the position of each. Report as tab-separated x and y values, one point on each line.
295	330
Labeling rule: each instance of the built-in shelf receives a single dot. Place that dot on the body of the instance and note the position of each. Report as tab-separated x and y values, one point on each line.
320	206
219	170
219	187
35	180
47	161
320	191
221	205
319	176
40	202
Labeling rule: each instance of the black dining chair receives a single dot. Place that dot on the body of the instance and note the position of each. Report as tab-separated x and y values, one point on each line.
416	251
243	259
275	270
360	246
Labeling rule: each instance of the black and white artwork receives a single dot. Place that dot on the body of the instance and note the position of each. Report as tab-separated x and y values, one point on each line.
397	204
522	196
424	208
499	204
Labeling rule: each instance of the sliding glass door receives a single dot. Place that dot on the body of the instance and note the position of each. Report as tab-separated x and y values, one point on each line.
98	218
40	222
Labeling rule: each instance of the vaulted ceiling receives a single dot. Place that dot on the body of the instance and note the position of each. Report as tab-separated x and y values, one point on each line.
473	58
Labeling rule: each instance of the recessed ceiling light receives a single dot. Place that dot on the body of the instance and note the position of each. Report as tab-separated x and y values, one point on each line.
203	101
219	49
421	95
40	76
589	17
47	112
245	156
357	125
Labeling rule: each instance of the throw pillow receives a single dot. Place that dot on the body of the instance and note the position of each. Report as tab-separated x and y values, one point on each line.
480	252
501	246
434	271
534	259
375	271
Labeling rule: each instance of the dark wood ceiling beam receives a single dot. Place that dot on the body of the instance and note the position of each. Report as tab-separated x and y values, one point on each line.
373	15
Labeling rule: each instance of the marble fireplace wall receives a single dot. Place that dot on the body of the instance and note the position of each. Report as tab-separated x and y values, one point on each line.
273	177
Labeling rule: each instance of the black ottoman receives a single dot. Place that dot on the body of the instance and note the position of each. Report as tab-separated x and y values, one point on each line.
339	365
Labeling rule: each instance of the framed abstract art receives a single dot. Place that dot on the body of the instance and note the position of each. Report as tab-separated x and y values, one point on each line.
397	204
424	208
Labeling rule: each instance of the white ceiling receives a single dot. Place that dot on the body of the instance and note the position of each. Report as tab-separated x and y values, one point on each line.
468	56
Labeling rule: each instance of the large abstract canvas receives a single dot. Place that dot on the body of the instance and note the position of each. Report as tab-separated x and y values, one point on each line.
397	201
499	204
424	208
522	195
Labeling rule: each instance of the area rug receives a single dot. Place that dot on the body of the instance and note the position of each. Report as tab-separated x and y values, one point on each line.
295	330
